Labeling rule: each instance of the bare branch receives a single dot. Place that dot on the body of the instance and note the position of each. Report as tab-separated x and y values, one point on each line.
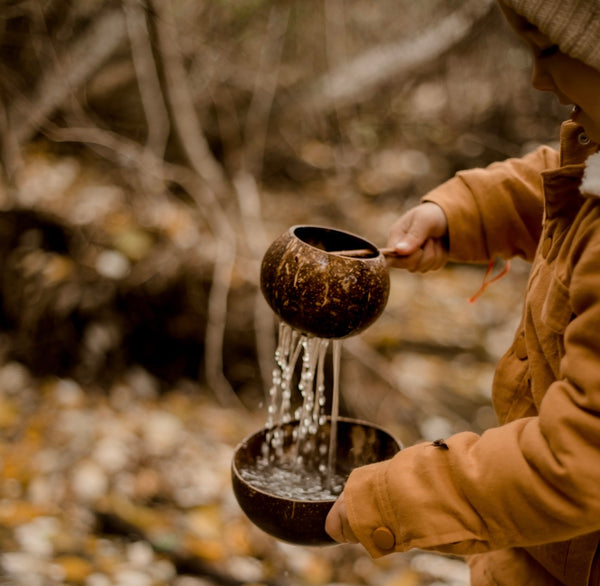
265	87
85	56
359	78
246	188
250	207
196	147
183	112
155	110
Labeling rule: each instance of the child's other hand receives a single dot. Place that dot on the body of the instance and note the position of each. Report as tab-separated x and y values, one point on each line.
337	525
417	238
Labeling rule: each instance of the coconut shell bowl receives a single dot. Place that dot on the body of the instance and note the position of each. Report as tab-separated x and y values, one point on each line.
299	521
325	282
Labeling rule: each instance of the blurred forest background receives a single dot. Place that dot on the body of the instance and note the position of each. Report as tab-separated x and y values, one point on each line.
151	150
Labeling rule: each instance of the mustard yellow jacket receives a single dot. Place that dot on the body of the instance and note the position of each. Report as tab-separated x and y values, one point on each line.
522	500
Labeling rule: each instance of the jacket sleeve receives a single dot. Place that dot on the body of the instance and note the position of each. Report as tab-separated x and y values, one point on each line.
524	483
496	211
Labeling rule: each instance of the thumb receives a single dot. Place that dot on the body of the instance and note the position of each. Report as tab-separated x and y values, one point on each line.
407	245
408	242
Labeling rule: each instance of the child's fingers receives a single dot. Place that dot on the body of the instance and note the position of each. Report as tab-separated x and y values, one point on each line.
337	525
333	525
409	262
431	256
434	256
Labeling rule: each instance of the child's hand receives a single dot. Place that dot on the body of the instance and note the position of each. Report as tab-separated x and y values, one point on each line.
337	525
417	238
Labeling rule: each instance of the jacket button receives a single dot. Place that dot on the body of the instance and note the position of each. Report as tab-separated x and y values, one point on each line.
383	538
583	139
521	348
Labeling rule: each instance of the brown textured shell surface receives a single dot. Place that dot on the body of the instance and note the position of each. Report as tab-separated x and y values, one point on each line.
301	521
318	291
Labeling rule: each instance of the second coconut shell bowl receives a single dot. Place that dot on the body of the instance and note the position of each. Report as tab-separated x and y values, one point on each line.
302	522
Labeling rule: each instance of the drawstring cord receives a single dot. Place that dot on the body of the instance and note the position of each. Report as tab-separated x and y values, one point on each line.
487	281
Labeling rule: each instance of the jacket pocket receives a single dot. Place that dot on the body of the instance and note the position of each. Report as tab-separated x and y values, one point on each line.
556	310
511	394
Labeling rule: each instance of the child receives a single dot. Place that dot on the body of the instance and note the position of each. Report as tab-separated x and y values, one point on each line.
522	500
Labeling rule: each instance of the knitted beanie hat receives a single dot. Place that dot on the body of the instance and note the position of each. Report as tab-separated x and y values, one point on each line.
574	25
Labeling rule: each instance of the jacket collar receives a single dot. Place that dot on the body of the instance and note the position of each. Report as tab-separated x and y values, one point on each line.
581	154
575	146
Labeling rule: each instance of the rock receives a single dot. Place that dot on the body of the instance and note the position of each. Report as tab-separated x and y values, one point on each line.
89	481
